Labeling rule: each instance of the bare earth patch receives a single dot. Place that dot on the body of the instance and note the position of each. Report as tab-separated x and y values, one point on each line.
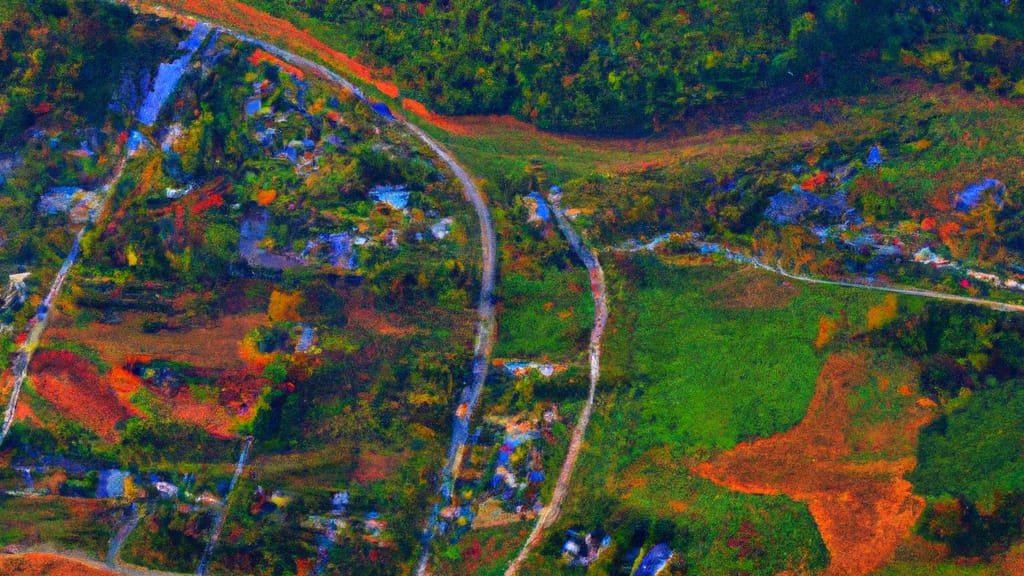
374	321
863	508
374	467
752	289
73	385
44	564
212	346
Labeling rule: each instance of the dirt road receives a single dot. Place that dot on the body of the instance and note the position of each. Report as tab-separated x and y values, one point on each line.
551	513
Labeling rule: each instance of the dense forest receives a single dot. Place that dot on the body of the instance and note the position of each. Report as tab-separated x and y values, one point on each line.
635	65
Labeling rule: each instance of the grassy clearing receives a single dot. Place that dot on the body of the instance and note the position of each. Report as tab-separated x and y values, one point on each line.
549	316
689	372
693	385
80	524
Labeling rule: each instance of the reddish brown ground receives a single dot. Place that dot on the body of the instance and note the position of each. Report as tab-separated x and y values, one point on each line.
73	385
211	346
372	320
45	564
446	123
752	289
373	467
213	417
863	508
282	33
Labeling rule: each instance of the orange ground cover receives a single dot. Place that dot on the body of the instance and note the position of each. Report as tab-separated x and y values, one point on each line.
260	56
751	289
284	33
374	467
863	508
446	123
371	320
73	385
45	564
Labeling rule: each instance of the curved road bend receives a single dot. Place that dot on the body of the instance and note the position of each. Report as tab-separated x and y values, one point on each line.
551	513
485	332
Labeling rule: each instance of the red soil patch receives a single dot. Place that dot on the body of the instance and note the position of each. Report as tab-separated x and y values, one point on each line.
45	564
23	412
213	418
863	509
214	345
446	123
370	319
283	33
73	385
373	467
260	56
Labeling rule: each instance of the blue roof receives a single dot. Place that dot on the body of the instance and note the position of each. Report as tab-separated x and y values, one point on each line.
542	207
252	107
874	157
971	195
382	109
396	196
654	561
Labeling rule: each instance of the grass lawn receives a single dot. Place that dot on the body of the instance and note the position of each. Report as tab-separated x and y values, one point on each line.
550	316
709	373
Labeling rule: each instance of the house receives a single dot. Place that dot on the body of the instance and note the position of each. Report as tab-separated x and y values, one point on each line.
539	211
441	229
395	196
971	196
580	550
874	157
166	489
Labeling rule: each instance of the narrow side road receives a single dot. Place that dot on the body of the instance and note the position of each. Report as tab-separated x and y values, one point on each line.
218	520
134	514
993	304
551	513
28	348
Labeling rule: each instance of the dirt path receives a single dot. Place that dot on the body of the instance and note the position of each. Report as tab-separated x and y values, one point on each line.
744	259
550	514
860	501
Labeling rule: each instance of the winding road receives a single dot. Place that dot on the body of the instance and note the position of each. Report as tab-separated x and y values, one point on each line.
550	514
485	331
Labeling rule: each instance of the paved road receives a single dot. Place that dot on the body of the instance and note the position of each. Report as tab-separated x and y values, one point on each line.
485	331
993	304
551	513
135	514
28	348
218	520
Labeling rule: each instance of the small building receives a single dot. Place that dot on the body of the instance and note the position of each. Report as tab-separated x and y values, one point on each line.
655	561
166	489
395	196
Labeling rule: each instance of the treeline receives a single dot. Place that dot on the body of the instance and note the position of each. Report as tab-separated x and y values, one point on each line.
633	65
62	60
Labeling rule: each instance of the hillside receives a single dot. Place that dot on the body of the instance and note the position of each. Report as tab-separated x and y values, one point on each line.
634	66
